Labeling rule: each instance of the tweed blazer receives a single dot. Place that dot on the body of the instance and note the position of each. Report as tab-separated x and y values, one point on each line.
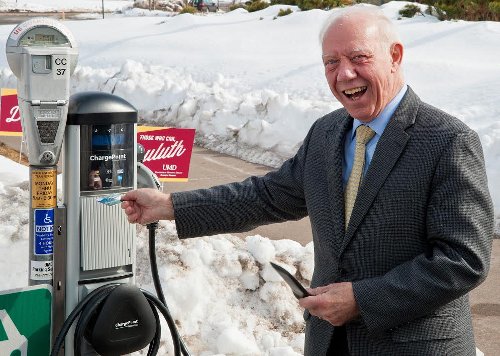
419	237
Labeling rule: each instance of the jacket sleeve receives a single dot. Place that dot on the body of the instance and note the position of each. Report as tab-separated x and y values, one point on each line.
459	229
241	206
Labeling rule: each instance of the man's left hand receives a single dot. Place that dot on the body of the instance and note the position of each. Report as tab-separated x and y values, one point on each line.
334	303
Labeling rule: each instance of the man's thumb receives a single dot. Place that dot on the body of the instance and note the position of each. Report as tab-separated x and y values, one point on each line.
131	195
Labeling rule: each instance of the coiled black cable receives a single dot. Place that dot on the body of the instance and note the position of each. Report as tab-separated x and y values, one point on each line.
92	301
156	278
59	340
89	305
170	321
155	344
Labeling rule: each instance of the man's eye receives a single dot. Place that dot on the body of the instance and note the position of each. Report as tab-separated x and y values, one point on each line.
331	62
359	58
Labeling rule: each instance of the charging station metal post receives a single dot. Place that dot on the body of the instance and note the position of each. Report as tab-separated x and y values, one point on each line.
42	53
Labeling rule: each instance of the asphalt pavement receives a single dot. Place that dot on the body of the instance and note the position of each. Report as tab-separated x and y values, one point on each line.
209	168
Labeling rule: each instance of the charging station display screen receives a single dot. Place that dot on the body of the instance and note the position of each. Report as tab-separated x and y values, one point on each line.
107	157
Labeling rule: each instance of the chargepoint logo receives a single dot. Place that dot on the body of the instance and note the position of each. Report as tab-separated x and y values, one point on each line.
127	324
112	157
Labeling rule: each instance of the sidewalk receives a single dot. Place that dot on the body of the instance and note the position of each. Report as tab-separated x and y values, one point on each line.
485	303
210	168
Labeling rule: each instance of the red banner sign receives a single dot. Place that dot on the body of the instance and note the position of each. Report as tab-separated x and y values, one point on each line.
167	151
10	117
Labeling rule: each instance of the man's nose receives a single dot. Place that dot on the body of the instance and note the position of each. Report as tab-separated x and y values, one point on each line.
346	71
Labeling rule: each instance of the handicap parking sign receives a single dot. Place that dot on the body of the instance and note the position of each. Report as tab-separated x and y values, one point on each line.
44	231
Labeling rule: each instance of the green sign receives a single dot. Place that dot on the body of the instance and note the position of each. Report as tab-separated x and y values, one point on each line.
25	321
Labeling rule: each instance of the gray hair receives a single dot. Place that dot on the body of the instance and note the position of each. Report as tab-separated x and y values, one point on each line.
387	28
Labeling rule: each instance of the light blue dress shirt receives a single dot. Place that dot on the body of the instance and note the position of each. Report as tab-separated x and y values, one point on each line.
378	125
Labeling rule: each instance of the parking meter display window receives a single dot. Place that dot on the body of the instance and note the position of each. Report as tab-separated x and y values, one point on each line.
107	159
43	36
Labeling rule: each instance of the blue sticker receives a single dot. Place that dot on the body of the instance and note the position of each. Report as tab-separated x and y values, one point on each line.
44	231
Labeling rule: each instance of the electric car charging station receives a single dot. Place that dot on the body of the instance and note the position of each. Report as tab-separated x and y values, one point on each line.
85	248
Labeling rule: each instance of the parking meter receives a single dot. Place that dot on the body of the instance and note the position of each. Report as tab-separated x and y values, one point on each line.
42	53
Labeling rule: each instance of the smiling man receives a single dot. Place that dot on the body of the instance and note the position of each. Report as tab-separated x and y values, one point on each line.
418	234
398	200
362	60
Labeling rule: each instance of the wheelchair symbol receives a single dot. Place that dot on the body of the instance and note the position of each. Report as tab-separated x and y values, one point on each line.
47	219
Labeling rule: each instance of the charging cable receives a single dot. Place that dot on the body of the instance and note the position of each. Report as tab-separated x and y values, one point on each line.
87	308
156	279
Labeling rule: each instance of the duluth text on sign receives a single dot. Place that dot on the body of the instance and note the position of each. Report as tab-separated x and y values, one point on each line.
176	150
14	115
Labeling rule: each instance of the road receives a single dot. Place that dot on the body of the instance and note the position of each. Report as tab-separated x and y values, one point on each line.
13	18
209	168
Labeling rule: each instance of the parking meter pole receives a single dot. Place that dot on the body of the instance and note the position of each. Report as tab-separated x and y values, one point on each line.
43	201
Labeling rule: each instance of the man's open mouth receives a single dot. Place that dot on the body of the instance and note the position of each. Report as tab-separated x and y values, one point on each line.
355	93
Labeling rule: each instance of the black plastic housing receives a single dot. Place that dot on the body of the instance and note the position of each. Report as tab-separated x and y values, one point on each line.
125	323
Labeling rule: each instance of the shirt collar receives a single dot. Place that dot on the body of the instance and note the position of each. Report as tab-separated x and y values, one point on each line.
380	122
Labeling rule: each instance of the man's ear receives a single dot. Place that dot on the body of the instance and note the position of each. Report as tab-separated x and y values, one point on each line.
396	56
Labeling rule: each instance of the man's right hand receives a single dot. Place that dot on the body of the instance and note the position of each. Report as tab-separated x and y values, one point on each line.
144	206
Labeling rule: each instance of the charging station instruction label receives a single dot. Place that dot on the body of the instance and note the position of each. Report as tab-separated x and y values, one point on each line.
43	188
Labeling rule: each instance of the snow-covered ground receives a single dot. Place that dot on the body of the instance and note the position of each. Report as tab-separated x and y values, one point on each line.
252	85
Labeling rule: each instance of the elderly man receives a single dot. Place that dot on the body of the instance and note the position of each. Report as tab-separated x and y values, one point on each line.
397	195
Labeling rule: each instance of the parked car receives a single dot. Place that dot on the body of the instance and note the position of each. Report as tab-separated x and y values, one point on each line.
204	5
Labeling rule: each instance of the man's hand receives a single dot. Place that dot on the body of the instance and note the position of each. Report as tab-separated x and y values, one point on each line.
334	303
144	206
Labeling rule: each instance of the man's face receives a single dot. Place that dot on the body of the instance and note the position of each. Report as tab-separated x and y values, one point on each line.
359	68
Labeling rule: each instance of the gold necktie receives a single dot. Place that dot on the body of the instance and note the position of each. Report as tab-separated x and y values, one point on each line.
363	135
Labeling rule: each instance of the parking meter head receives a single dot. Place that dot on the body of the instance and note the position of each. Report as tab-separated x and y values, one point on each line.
39	33
42	54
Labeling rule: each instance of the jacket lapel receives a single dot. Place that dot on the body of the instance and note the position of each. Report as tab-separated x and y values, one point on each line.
334	153
389	148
